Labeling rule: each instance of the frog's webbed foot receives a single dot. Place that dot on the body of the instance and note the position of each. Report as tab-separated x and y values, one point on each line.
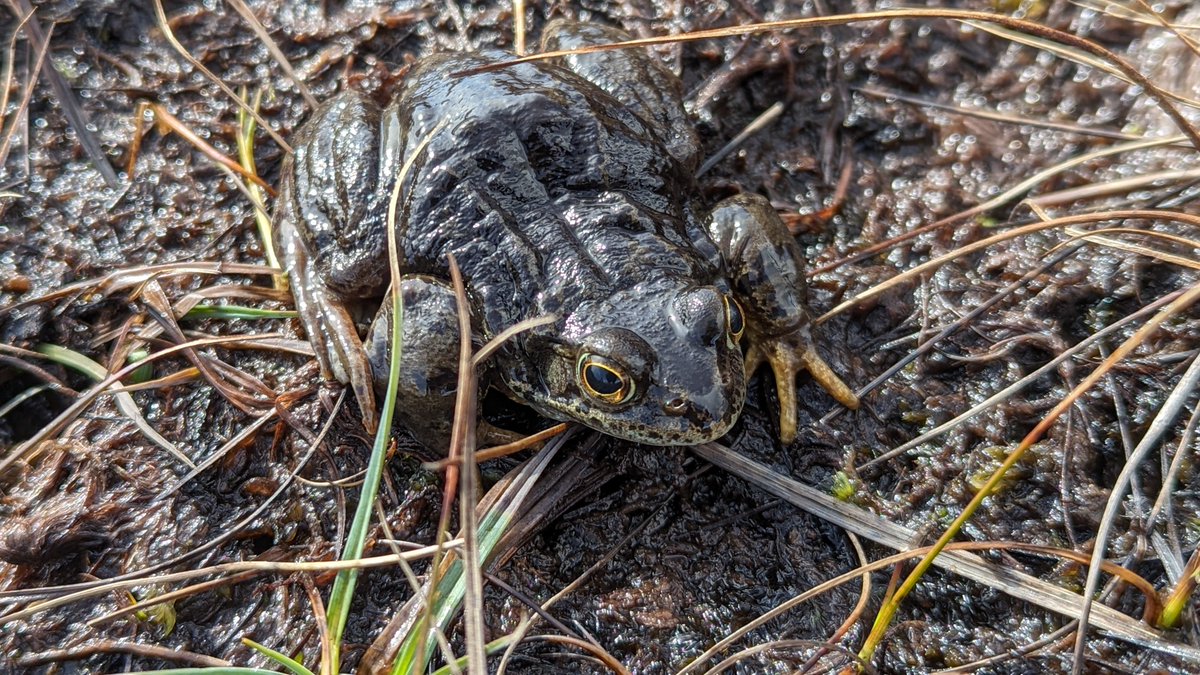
767	275
331	330
788	355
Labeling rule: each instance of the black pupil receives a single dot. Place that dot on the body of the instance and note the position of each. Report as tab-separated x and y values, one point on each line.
736	324
602	380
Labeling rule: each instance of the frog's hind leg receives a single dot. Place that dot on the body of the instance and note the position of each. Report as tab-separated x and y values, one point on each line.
330	229
767	273
634	77
429	355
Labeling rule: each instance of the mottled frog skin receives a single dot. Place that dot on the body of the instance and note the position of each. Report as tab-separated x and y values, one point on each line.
561	188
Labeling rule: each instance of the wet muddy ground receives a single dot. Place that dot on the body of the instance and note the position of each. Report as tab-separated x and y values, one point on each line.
710	551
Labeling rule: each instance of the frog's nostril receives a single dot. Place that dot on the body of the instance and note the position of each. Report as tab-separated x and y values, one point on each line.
676	406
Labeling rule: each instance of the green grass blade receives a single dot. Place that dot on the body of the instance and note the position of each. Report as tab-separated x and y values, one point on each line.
216	670
282	659
343	585
124	401
237	312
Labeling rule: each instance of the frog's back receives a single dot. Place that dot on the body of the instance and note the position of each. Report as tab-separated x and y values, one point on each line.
545	189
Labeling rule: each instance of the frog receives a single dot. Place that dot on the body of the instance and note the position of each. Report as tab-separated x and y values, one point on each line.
561	188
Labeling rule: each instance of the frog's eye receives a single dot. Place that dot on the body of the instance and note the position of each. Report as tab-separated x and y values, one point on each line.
604	380
733	315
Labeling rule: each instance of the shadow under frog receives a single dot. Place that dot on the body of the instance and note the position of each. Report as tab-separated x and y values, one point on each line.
561	188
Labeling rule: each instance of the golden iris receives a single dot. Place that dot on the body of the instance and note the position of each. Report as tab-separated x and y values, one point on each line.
604	380
733	318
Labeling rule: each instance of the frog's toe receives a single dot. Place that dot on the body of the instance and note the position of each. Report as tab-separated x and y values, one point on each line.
788	355
344	350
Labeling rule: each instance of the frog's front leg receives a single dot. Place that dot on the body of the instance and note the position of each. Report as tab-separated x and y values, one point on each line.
330	229
767	273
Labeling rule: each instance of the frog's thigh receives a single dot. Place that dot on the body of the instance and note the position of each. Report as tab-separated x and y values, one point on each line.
336	188
634	77
767	273
428	358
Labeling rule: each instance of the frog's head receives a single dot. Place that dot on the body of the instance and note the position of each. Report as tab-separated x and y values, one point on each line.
656	363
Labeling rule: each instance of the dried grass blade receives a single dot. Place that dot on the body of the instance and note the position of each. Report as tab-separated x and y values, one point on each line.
163	116
276	53
225	569
85	399
1075	55
1148	214
462	444
1112	187
875	528
994	116
1000	396
122	399
67	101
136	276
165	26
1032	28
1097	237
24	104
883	619
9	61
1163	420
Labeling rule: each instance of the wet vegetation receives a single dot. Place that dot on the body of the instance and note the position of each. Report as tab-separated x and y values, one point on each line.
1003	225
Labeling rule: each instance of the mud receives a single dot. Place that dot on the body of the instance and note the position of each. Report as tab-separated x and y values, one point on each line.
711	551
